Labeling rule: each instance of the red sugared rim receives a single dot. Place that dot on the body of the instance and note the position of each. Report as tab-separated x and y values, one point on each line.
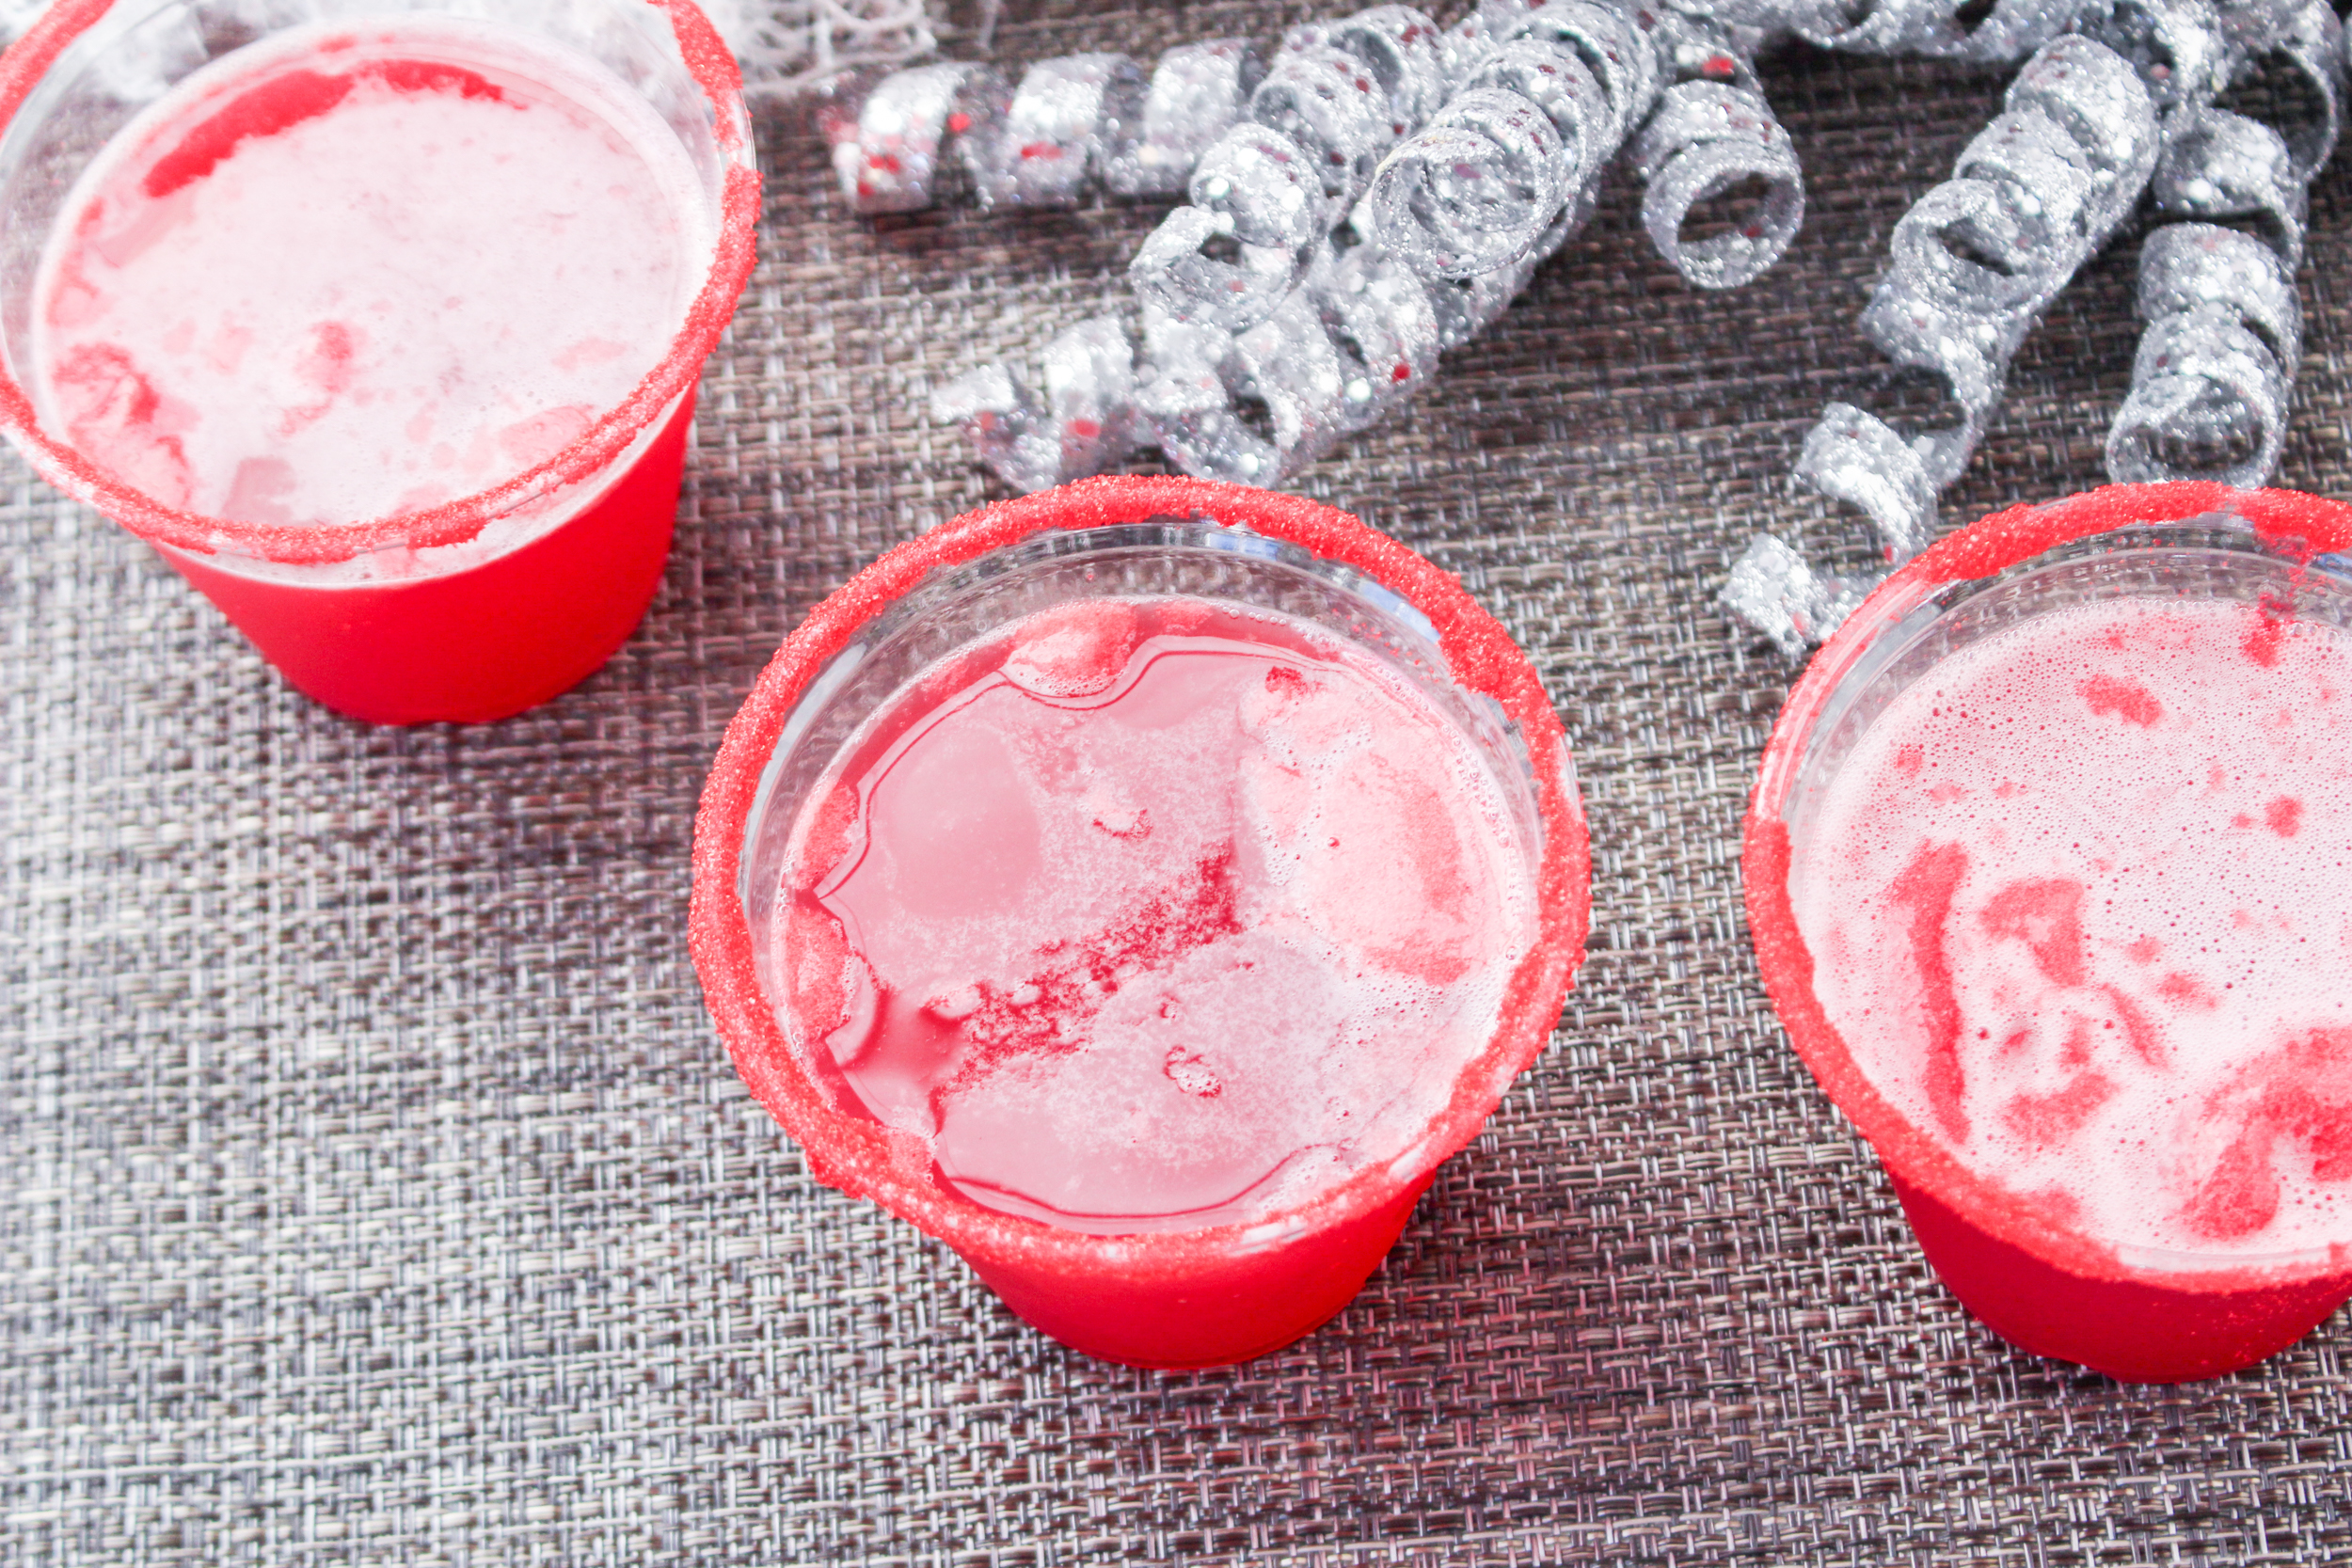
2298	525
866	1160
712	64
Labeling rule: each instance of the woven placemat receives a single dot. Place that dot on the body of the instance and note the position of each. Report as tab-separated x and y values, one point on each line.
373	1188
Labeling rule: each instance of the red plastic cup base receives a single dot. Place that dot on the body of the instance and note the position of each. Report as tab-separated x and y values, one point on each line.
2132	1330
1253	1305
479	644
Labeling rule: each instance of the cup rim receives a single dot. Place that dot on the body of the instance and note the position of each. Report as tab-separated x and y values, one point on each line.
2296	525
893	1168
706	56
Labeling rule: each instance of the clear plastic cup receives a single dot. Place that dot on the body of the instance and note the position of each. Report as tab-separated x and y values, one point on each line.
2136	1313
470	609
1160	1298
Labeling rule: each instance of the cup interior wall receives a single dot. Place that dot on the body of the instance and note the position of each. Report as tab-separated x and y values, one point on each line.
956	606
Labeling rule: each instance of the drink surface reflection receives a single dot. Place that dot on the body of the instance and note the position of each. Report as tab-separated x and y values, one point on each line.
1154	914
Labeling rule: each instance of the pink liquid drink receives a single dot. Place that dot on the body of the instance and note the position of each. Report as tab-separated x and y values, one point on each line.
2048	869
383	329
1146	915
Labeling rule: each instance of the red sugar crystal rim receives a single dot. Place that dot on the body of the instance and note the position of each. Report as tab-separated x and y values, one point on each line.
712	64
894	1168
2301	525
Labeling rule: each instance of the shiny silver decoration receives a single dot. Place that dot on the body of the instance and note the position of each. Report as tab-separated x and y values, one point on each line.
1384	327
1191	267
1390	188
1274	321
1329	101
2215	372
1714	134
1974	264
1774	591
1265	188
1007	424
1945	29
1197	91
1085	421
1075	122
1268	192
1509	169
1382	192
1071	121
1473	192
892	151
1853	457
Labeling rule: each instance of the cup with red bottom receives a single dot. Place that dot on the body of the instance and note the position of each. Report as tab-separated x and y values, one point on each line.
2023	867
1143	886
413	417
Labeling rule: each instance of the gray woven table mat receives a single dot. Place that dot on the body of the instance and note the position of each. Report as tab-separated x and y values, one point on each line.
373	1189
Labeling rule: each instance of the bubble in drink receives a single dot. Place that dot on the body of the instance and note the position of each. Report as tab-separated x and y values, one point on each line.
2080	902
1152	914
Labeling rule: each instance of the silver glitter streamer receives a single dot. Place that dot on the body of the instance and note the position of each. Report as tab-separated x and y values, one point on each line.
1509	169
1383	323
1467	307
1612	47
1077	121
1952	29
2032	197
1973	265
1772	590
1007	423
2215	372
1198	91
1327	100
890	151
1085	421
1270	190
1071	119
1707	138
1406	55
1854	457
1183	401
1473	193
1191	267
1264	186
1282	312
2221	166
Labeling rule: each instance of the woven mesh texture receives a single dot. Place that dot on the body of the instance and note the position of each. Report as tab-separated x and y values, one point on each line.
373	1188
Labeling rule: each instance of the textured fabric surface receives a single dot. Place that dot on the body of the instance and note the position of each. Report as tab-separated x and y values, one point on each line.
373	1188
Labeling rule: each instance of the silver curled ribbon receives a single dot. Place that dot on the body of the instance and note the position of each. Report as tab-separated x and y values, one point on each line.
1973	265
1507	171
892	150
2214	370
1271	326
1075	122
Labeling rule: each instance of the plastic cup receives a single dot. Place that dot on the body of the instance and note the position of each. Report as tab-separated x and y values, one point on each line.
2136	1313
474	609
1180	1298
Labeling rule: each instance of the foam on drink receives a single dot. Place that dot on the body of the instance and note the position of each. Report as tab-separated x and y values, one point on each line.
1148	913
355	270
2080	903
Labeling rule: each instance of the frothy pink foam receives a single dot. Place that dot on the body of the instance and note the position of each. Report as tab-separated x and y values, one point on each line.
2081	900
338	275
